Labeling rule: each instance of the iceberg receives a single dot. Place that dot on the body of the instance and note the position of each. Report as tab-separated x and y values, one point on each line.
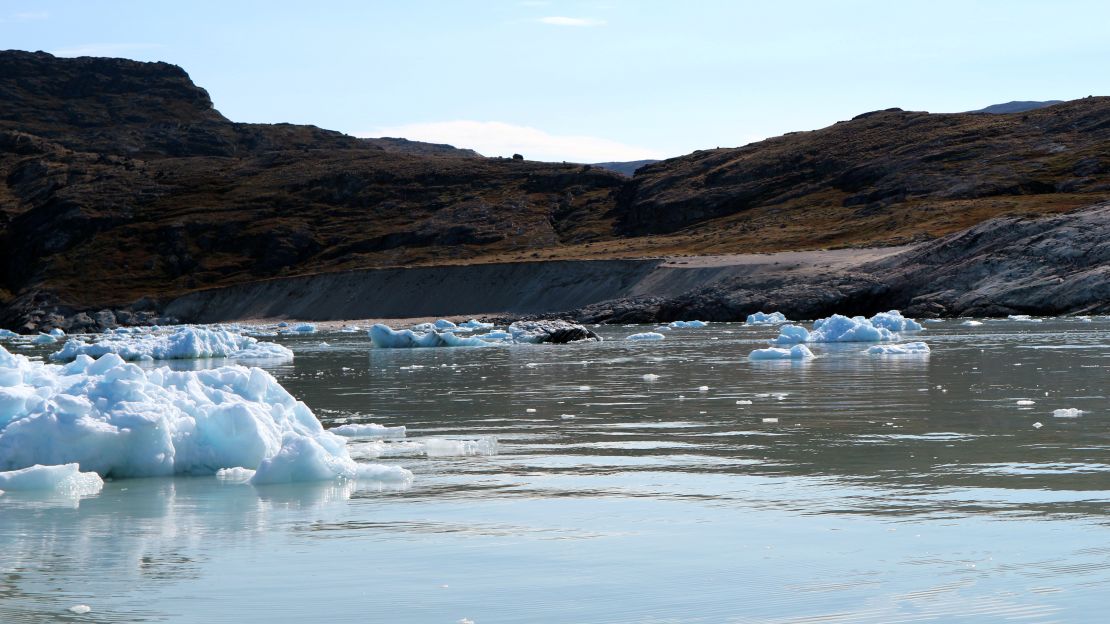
1069	412
44	339
646	336
970	323
305	328
384	337
838	328
791	334
797	352
184	343
118	420
909	348
64	479
57	333
7	333
521	332
895	322
762	318
688	324
476	324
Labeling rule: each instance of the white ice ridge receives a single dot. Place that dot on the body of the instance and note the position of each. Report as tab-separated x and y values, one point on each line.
687	324
119	420
763	318
909	348
65	479
183	343
646	336
838	328
797	352
7	333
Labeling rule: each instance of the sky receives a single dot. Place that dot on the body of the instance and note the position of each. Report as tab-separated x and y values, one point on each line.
589	81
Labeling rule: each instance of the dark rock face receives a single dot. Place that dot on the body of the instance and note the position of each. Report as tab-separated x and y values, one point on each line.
554	331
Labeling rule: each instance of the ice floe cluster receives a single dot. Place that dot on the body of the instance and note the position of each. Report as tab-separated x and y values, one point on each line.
444	333
883	327
185	342
688	324
119	420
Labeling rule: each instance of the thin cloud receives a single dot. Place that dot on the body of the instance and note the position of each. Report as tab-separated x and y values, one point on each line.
556	20
28	16
104	49
495	138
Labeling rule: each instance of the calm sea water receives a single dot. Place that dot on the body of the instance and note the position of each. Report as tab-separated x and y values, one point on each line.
896	489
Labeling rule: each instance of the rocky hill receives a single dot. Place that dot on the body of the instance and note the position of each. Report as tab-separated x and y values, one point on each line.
121	187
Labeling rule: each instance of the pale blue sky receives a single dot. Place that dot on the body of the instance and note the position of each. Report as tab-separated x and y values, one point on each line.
589	81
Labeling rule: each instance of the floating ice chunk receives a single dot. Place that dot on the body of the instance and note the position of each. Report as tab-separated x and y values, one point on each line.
1026	402
383	337
444	324
183	344
44	339
7	333
895	322
379	472
971	323
909	348
80	609
476	324
237	475
688	324
1069	412
744	402
119	420
441	447
791	334
703	388
305	328
651	377
57	333
63	479
797	352
323	345
646	336
770	420
1037	425
1023	317
368	430
838	328
763	318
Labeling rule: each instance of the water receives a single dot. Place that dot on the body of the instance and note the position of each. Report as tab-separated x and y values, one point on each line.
903	489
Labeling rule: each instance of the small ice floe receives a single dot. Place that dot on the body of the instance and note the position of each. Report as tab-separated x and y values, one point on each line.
530	410
368	430
1024	318
566	416
770	420
971	323
584	388
791	334
80	609
687	324
323	345
522	332
651	377
305	328
909	348
763	318
743	402
7	333
57	333
646	336
1026	402
476	324
797	352
64	479
1037	425
45	339
442	447
119	420
1069	412
703	388
184	343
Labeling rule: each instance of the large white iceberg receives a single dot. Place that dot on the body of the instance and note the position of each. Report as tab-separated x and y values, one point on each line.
909	348
184	343
797	352
65	479
762	318
119	420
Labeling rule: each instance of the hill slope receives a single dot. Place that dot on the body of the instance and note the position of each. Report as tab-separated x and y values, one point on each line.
120	183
